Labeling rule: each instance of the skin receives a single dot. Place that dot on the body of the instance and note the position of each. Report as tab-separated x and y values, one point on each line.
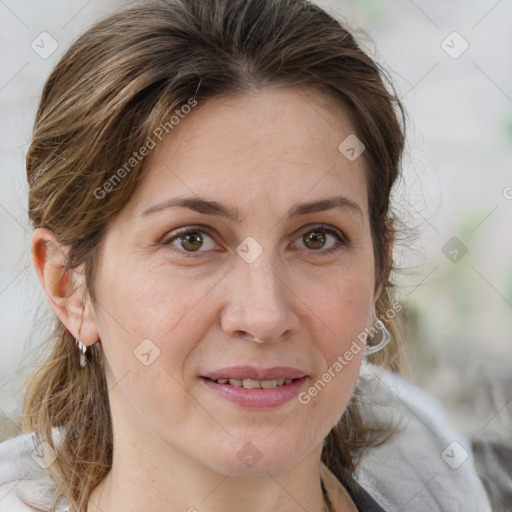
176	442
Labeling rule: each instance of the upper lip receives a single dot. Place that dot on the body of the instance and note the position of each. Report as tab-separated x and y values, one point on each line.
249	372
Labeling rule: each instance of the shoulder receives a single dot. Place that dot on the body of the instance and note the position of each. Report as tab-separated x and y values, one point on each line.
23	475
14	469
427	465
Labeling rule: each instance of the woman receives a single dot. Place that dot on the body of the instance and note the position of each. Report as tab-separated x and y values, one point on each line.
210	194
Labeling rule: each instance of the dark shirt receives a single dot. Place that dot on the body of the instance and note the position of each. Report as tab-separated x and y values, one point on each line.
362	500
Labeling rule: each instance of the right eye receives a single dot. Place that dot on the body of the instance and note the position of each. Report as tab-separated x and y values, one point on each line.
188	241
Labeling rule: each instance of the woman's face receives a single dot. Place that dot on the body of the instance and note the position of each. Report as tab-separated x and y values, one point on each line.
244	276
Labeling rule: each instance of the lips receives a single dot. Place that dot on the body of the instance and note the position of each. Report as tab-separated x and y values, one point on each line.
249	395
255	374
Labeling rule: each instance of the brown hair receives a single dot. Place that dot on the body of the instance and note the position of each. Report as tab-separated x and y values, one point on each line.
112	89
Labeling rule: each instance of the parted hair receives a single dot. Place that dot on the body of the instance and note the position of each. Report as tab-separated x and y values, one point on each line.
111	91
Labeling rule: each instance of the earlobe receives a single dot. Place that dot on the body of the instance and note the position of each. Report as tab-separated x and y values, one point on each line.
64	288
390	238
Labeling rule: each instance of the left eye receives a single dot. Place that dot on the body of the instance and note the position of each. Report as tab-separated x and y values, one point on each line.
316	238
190	241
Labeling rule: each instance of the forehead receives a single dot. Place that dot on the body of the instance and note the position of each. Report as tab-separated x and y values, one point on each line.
272	146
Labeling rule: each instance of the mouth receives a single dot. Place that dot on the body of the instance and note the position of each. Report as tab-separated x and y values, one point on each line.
253	383
271	390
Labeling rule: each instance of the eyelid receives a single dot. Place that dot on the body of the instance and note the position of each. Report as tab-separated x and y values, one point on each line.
323	227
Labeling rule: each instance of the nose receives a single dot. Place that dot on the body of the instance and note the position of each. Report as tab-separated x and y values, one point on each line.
259	302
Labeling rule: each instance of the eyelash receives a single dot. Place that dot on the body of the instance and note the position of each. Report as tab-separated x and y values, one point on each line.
340	244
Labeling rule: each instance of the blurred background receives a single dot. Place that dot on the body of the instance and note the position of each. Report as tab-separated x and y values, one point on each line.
452	64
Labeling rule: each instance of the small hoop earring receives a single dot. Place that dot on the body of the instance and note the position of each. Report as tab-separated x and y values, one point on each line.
83	351
386	337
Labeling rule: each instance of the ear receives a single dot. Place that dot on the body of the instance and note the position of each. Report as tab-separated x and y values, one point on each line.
390	238
64	288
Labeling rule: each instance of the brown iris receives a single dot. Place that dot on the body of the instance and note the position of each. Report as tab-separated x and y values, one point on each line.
192	241
317	239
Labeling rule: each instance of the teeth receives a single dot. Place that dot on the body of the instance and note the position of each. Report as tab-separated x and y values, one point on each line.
251	384
255	384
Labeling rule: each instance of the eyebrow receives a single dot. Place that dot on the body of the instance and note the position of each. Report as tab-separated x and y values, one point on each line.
217	209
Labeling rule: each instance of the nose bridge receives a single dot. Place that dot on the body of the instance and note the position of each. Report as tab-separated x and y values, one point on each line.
258	266
258	304
262	280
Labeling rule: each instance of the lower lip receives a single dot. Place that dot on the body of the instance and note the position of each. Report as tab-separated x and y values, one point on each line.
257	398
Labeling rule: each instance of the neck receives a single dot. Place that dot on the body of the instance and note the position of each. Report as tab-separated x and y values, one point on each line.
152	475
168	488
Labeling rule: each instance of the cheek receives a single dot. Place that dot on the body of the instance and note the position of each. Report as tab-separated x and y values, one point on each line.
146	334
149	301
343	311
351	312
342	306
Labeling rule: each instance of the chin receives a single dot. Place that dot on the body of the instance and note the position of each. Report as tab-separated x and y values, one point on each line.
256	456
